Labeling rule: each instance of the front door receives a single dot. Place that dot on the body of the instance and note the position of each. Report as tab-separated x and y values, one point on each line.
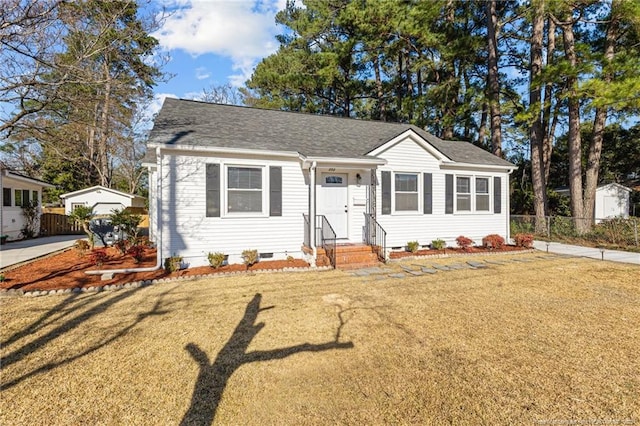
333	202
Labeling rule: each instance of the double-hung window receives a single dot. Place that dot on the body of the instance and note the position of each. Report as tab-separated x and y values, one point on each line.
463	193
482	194
406	192
6	197
244	189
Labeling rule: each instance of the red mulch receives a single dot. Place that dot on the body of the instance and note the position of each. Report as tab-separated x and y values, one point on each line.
67	270
468	250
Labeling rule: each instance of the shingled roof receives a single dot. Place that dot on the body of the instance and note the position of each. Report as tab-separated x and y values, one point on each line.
192	123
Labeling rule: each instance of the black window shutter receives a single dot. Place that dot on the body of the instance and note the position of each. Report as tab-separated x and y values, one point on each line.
497	195
448	194
275	191
427	202
213	190
386	192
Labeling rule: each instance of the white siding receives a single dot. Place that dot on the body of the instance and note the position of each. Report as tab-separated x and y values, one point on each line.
12	217
189	233
408	156
611	201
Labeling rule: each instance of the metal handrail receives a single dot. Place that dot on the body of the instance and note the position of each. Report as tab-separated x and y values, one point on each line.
328	239
375	236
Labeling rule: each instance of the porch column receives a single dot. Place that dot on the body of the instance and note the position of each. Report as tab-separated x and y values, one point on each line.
312	208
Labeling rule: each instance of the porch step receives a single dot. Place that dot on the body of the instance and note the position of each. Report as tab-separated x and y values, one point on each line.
352	256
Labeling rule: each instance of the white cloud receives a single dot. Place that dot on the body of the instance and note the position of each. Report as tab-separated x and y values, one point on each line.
242	30
202	73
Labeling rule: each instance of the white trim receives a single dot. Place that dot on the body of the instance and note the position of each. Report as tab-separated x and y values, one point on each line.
99	188
419	191
473	210
14	176
343	163
484	167
414	137
224	150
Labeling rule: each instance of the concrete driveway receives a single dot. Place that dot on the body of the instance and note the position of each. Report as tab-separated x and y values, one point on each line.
15	252
592	252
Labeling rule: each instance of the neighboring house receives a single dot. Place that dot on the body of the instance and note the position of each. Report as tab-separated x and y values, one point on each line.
17	191
102	200
226	178
612	200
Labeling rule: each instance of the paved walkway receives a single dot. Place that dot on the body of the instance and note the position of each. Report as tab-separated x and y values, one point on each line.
594	253
20	251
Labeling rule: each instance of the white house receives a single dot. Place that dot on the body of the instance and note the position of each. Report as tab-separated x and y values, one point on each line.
102	200
612	200
227	178
17	190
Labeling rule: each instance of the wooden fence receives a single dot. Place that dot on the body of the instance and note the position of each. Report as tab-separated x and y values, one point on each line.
59	224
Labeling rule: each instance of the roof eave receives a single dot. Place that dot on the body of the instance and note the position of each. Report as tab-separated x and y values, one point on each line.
224	150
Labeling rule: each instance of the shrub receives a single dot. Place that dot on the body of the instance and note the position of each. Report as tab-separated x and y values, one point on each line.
122	246
126	222
216	259
438	244
172	264
413	246
99	256
137	252
82	246
523	240
464	242
2	278
250	257
493	241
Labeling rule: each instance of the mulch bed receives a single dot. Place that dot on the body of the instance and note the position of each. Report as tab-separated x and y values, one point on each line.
66	270
452	251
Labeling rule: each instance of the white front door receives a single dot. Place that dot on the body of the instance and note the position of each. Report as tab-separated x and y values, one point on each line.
333	202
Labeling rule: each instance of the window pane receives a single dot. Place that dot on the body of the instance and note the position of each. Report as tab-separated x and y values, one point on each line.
482	202
244	201
463	202
406	182
463	185
18	198
482	185
25	197
34	196
6	197
333	179
406	201
244	178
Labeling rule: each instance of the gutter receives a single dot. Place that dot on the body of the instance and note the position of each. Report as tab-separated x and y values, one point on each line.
108	273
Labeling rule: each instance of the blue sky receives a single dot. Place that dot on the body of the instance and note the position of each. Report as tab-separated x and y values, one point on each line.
214	42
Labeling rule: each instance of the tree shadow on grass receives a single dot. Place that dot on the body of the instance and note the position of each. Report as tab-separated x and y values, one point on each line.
213	377
72	323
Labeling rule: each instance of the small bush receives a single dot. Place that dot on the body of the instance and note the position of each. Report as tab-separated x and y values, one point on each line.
122	246
493	241
250	257
81	247
413	246
172	264
438	244
464	242
216	259
2	278
137	252
99	256
523	240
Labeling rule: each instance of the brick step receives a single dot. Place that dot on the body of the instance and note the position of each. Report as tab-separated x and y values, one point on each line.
343	259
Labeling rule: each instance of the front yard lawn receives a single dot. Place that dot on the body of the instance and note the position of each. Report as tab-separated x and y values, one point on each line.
549	340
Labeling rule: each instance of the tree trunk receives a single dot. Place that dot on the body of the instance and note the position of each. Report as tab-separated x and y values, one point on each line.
547	141
103	140
535	133
575	142
600	119
380	91
493	79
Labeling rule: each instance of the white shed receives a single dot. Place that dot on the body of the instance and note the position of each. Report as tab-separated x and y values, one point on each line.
612	200
102	200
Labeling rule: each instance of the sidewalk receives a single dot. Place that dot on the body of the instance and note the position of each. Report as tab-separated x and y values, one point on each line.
21	251
594	253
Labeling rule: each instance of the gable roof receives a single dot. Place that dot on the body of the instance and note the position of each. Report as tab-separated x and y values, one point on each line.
201	124
98	188
23	178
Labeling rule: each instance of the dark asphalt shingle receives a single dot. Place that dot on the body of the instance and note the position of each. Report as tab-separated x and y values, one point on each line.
194	123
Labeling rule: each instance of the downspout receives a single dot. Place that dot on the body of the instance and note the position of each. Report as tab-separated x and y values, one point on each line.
158	230
312	209
508	211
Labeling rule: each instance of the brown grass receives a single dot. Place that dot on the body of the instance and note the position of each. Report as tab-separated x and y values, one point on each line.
554	340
